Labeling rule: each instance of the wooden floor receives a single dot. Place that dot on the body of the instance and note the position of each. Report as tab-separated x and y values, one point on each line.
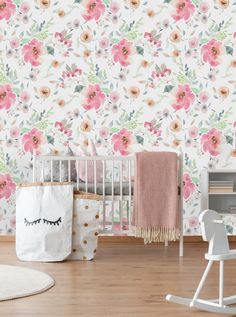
124	280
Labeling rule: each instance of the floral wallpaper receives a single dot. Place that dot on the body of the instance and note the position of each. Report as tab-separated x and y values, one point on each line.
130	75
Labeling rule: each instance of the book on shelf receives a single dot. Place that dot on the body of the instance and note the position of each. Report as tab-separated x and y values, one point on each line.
220	190
221	183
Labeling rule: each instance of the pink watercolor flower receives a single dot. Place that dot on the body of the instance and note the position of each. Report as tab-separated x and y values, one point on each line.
114	96
184	97
7	186
104	132
188	186
121	52
183	9
7	9
114	7
24	96
204	7
203	97
24	7
234	124
32	52
7	97
193	222
193	132
33	140
94	9
193	42
94	97
210	141
61	125
122	140
103	43
14	43
211	52
14	132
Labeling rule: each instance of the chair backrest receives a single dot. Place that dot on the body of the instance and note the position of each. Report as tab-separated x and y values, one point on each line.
214	231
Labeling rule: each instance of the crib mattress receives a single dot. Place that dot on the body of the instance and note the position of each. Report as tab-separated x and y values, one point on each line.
108	188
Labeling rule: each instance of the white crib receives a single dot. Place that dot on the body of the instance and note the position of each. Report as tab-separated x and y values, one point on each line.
115	187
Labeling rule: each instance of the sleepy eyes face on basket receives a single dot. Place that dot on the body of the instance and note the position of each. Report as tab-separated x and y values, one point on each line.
46	221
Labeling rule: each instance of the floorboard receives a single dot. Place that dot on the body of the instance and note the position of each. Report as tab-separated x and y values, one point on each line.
124	280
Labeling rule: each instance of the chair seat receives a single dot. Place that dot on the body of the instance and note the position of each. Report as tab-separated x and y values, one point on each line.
223	256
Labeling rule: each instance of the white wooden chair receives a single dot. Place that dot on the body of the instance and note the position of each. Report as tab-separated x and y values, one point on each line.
213	231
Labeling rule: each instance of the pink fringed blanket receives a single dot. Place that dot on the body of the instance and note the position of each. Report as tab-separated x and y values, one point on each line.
156	196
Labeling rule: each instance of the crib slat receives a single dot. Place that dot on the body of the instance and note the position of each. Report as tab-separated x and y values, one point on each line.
86	175
121	196
77	174
43	170
60	170
130	195
34	165
69	170
51	170
103	193
112	193
95	175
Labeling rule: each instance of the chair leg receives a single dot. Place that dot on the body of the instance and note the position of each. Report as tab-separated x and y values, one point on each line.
201	283
221	283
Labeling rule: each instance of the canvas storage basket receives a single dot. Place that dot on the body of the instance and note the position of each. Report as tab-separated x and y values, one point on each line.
44	221
85	226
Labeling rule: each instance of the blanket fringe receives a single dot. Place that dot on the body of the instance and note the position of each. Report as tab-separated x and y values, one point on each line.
157	234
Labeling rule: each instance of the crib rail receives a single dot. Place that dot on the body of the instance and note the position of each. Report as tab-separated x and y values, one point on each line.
111	178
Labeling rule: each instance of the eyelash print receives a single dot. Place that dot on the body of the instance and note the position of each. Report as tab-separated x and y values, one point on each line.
31	223
52	223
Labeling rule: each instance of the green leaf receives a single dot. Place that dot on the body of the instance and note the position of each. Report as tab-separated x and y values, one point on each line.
114	130
195	180
93	78
3	78
24	41
17	2
114	40
168	88
203	41
107	2
106	90
139	50
229	139
167	1
203	130
139	139
17	91
196	90
229	50
79	88
131	35
221	36
24	130
182	79
41	36
50	50
50	139
77	1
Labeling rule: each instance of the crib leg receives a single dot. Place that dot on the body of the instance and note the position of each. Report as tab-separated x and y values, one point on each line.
166	243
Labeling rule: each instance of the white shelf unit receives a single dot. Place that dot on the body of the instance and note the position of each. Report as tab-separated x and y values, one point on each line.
219	201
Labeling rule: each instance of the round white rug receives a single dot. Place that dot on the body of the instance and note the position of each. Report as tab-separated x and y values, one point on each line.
18	282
